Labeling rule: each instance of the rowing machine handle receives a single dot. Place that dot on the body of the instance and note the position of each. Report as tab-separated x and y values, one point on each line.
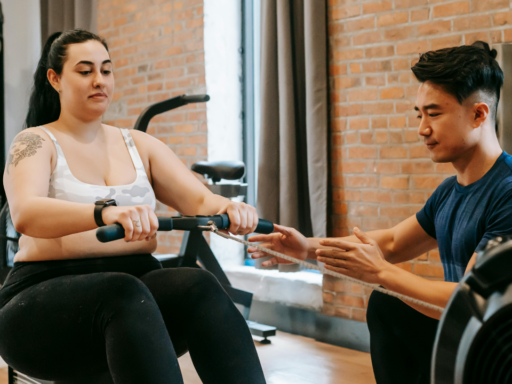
185	223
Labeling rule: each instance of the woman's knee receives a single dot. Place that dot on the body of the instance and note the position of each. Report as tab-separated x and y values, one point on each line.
121	292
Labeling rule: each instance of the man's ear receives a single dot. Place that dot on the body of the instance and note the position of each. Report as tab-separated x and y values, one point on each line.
54	79
481	112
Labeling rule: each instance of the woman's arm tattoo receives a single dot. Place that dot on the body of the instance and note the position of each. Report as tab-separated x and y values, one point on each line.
24	145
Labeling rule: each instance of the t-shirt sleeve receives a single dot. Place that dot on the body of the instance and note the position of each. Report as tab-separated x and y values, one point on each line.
426	215
499	221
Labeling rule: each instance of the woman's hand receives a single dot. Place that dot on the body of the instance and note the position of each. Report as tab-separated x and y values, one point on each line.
286	240
243	218
361	261
139	221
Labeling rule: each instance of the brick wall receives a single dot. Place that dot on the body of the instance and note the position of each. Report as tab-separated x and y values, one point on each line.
381	171
157	50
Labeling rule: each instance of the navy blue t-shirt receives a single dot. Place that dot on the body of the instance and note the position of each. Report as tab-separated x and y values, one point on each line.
463	219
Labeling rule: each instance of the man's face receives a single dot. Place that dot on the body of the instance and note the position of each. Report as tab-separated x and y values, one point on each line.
447	127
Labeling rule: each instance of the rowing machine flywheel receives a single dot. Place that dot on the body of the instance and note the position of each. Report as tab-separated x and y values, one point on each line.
474	338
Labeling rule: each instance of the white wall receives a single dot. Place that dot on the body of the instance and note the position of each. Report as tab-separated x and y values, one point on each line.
223	66
22	40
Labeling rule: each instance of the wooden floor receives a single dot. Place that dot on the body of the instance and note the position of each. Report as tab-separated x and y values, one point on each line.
294	359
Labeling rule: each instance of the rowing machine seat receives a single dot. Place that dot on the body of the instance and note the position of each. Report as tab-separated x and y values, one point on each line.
217	170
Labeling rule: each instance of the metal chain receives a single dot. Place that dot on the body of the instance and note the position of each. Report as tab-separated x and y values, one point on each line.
213	228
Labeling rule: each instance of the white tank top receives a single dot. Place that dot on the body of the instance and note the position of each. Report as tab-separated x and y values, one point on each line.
65	186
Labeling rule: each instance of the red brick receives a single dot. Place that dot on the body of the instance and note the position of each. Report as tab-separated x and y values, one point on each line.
396	212
340	69
393	153
484	6
392	93
360	24
359	123
394	182
420	14
375	80
434	27
421	166
349	54
379	6
346	82
397	122
378	108
419	46
451	9
343	312
387	167
333	284
431	182
363	95
392	19
401	33
381	137
365	38
361	182
428	270
470	38
363	210
380	51
467	23
352	167
346	11
379	122
349	300
362	152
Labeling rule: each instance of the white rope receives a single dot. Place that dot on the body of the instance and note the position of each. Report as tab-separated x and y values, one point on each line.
214	229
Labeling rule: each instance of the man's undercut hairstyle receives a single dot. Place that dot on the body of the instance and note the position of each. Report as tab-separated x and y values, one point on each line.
44	104
462	71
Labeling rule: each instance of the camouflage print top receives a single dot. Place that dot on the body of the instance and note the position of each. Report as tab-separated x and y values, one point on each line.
65	186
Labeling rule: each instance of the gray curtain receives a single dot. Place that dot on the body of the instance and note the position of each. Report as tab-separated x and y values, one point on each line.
293	162
61	15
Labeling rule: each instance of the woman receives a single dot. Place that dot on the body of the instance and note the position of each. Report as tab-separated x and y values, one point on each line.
72	306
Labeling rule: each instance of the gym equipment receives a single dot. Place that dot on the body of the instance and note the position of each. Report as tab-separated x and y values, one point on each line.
184	223
474	337
194	247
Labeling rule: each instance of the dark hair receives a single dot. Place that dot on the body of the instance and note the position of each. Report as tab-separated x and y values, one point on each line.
44	104
462	71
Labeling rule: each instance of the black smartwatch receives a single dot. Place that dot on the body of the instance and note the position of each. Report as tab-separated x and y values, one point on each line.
98	207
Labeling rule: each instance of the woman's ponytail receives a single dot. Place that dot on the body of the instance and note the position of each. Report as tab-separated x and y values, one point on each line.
44	104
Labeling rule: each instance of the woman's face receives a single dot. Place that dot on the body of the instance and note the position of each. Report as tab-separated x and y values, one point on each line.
86	83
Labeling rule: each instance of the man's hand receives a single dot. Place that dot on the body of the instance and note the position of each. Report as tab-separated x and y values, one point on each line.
285	240
361	261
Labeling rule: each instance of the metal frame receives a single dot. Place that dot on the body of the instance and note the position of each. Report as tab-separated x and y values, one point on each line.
194	249
247	51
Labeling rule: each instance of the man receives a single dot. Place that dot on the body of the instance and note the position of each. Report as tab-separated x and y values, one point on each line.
456	104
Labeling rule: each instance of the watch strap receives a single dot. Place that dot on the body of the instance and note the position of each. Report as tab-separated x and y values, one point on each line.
98	208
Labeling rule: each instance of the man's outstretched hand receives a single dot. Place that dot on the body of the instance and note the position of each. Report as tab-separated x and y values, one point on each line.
284	240
363	261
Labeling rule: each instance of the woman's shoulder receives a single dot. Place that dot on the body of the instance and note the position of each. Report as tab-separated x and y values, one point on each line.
34	136
136	135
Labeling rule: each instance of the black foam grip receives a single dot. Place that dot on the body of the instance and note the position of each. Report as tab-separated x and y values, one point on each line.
116	231
110	233
264	226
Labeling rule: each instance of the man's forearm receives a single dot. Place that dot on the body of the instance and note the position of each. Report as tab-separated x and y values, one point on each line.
406	283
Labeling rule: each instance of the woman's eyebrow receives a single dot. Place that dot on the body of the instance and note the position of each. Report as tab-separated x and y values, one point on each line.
91	63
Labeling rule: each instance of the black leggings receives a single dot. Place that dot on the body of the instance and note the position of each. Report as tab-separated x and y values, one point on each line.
401	341
127	315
